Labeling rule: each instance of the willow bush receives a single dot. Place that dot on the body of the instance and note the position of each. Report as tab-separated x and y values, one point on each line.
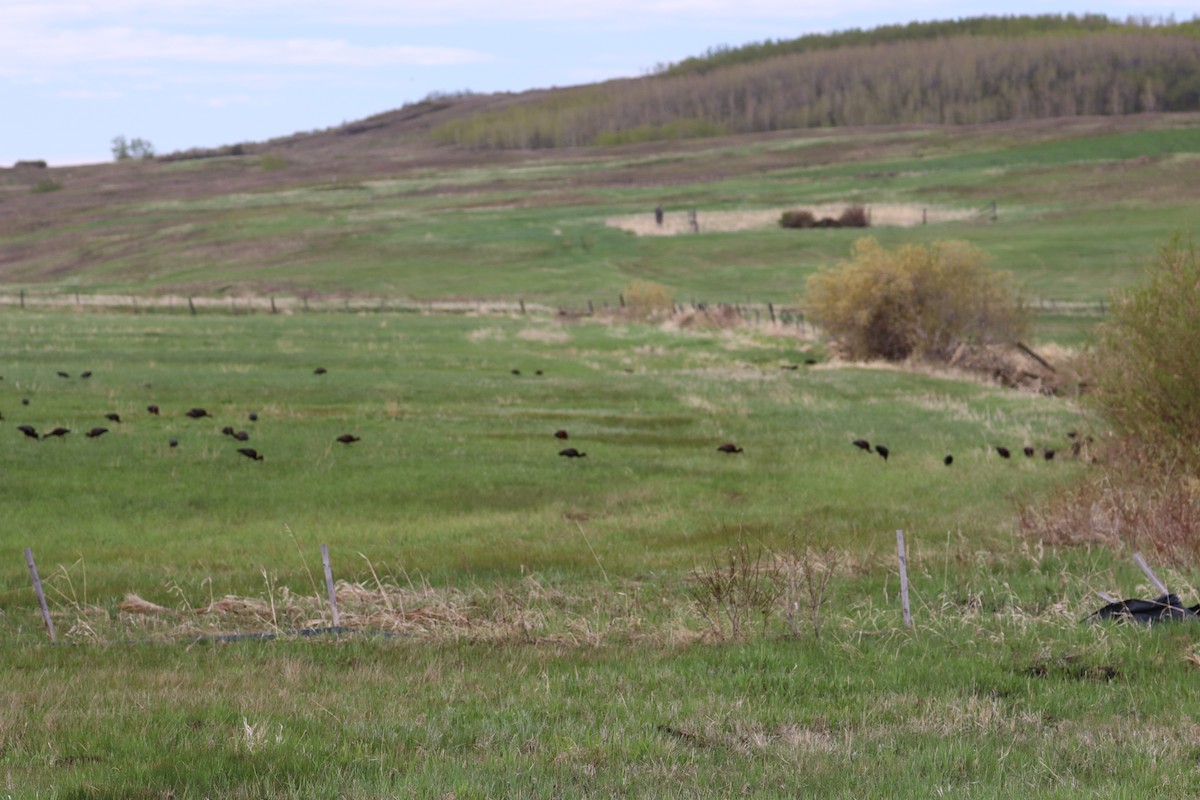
914	301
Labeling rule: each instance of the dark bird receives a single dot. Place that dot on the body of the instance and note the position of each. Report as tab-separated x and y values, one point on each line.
63	375
516	372
241	436
948	460
56	432
1048	455
153	409
174	443
537	372
729	447
561	434
883	451
1028	451
1072	434
320	371
24	401
87	373
346	438
862	444
95	432
29	431
251	453
227	430
113	417
197	413
1003	451
571	452
253	417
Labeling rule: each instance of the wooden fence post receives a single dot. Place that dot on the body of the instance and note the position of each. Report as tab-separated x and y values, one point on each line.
903	553
192	306
329	585
771	311
41	596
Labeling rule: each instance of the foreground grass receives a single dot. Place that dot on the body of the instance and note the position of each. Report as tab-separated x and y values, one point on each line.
997	692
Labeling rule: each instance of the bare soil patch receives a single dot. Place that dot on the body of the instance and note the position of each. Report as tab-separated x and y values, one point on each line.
677	222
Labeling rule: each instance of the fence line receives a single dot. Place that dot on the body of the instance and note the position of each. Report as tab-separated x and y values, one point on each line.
759	312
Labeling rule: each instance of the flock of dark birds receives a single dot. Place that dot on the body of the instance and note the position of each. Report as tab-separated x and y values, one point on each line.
251	453
729	448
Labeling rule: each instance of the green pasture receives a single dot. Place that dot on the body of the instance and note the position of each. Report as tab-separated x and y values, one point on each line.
457	474
1077	207
535	626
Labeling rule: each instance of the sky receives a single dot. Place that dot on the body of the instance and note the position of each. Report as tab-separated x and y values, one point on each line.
74	74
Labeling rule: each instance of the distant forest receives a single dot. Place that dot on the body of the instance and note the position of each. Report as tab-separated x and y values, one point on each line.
977	70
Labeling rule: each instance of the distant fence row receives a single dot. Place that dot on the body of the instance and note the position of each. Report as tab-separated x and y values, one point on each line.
177	304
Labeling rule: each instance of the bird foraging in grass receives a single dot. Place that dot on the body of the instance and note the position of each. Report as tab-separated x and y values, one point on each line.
153	409
29	431
561	434
1003	451
173	443
250	453
883	451
571	452
227	430
96	433
1028	451
346	438
862	444
112	416
241	436
60	432
1048	455
320	371
197	413
948	460
729	447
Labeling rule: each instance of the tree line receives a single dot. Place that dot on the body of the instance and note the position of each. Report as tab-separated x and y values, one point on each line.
959	79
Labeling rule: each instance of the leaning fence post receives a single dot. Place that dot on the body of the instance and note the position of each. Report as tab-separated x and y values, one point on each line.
1144	567
192	306
771	311
329	585
41	596
903	578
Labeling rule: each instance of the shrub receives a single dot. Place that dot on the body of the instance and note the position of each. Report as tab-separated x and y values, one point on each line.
854	217
915	301
797	219
44	186
1147	385
647	300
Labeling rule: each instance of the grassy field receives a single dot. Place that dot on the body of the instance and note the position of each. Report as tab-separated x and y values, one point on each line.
651	620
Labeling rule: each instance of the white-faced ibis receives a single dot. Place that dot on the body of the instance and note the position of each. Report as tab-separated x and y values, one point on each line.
227	430
96	432
63	375
561	434
29	431
320	371
537	372
571	452
112	416
1003	451
253	417
87	373
346	438
241	436
1048	455
197	413
1028	451
250	453
60	432
516	372
153	409
174	443
24	401
883	451
862	444
948	460
729	447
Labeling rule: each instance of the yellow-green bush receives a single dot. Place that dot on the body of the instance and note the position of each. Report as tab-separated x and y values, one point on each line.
647	300
915	301
1147	384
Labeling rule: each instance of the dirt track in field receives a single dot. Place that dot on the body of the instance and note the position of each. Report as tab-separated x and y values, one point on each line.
677	222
